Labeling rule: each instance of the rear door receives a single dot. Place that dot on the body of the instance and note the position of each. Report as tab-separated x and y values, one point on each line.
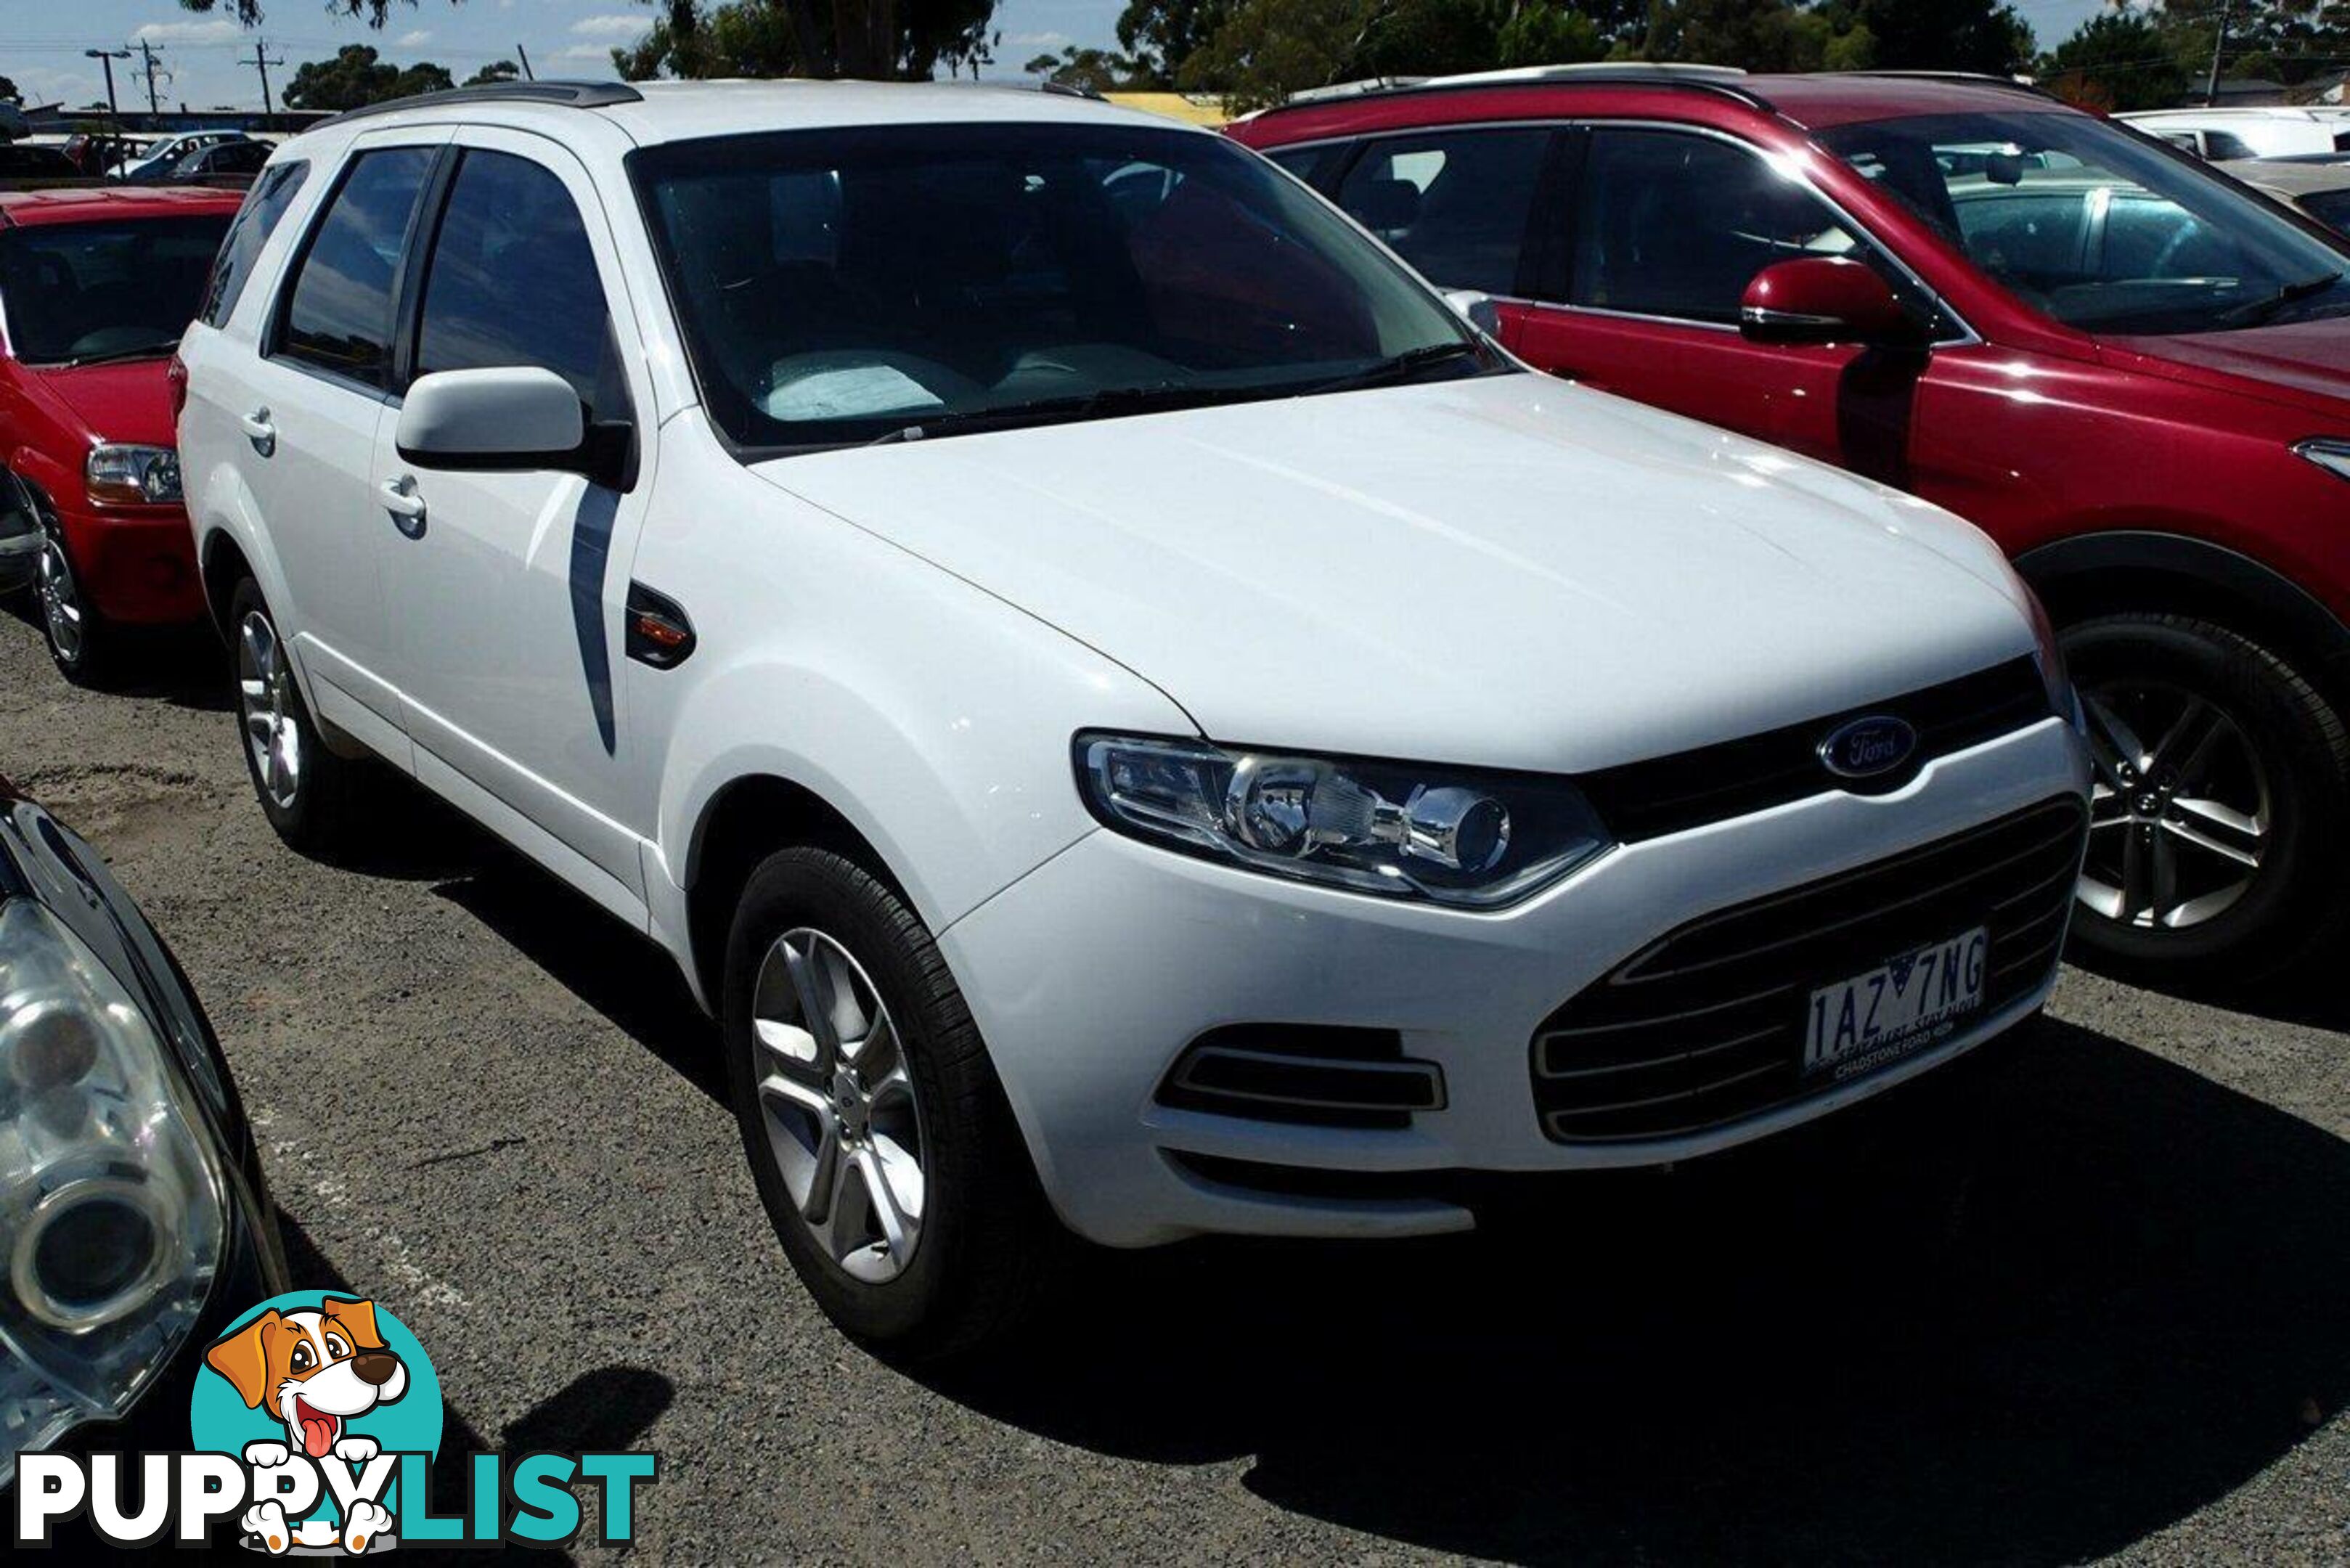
506	591
308	407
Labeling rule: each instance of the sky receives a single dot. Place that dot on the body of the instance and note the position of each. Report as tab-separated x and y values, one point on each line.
209	58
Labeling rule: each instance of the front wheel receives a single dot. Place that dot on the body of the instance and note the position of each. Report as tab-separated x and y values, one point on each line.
880	1140
2217	832
78	638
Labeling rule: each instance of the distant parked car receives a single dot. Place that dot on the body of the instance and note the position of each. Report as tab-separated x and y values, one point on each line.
241	159
18	161
131	1204
163	158
2224	135
2132	372
2320	187
96	287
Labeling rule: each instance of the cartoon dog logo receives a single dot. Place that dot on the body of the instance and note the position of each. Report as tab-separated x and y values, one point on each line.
315	1371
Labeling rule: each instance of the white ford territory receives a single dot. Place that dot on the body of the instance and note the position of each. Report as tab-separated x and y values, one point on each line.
1132	713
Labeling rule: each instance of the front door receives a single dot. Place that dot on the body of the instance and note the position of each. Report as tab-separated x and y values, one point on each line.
506	591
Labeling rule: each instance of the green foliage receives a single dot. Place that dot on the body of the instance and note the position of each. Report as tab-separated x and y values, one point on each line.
8	92
355	77
1095	71
248	12
870	39
1946	36
1163	34
1541	33
2118	60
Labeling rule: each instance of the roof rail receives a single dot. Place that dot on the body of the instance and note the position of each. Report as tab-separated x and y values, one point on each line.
1071	89
565	94
1721	80
1962	79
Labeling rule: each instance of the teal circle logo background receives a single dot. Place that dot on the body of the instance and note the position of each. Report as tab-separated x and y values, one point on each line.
219	1422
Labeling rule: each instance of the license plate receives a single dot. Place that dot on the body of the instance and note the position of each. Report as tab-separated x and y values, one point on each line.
1901	1006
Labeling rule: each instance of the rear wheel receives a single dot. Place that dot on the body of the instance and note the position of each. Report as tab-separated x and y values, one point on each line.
878	1135
304	788
2218	815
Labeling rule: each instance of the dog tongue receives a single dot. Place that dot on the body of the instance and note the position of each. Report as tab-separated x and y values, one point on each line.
318	1436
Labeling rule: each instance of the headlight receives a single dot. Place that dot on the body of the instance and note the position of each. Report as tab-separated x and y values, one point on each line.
132	473
2334	456
112	1206
2063	699
1451	835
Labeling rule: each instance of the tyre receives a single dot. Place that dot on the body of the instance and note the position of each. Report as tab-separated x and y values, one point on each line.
303	787
880	1139
2218	817
80	642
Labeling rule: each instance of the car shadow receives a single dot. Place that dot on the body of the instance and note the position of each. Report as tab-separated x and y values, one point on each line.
1883	1341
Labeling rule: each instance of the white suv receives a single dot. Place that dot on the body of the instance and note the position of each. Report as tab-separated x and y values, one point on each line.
1127	707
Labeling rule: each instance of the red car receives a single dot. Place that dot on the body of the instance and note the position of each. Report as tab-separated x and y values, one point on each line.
2128	369
96	287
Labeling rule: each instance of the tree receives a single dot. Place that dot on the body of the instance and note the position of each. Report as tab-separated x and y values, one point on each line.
248	12
497	71
2118	60
870	39
1984	36
1759	35
356	77
1095	71
1266	49
8	92
1539	34
1163	34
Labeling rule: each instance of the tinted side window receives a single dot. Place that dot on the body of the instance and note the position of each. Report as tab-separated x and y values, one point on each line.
339	314
1453	204
1299	160
1676	225
265	204
513	281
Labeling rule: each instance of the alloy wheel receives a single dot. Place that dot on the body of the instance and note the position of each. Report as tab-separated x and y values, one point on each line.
2179	811
61	610
265	700
842	1122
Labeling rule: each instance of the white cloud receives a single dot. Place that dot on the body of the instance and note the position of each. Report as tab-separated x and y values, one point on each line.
414	36
1039	40
220	29
617	28
599	53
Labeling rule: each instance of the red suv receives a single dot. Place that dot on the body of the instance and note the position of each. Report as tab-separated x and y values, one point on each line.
96	287
2130	371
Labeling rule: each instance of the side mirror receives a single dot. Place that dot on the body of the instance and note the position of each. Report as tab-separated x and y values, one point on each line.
1826	299
503	419
1477	309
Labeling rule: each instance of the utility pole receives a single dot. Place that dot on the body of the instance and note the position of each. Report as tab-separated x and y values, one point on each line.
106	59
2219	42
262	61
154	101
527	74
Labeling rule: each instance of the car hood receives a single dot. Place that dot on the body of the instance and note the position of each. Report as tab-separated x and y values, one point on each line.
1506	571
2307	363
128	402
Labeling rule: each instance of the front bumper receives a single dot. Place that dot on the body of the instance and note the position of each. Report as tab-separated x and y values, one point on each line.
136	563
1092	974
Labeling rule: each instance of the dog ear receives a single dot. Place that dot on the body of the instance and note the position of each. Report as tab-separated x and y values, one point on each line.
358	1317
243	1359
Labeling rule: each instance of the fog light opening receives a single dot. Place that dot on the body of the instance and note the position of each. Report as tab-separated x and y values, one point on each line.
90	1252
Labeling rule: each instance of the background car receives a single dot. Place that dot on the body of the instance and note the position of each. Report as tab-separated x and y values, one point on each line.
96	288
2259	131
2319	186
223	161
160	160
2135	374
21	163
131	1203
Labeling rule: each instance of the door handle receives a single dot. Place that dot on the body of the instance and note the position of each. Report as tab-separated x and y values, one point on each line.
259	431
407	507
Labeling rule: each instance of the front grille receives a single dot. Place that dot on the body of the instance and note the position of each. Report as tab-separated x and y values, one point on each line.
1706	1026
1713	783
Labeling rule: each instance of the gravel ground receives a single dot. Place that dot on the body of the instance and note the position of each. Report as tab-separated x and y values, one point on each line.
2107	1315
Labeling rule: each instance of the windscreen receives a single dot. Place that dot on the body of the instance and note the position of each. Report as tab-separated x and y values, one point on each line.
844	285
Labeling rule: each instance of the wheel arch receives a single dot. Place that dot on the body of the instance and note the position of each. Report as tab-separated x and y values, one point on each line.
2105	572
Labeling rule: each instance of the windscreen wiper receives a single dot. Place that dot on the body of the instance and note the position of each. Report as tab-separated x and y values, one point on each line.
1107	403
144	351
1401	367
2266	307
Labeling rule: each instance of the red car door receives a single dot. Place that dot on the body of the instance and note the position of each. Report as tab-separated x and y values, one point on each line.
1656	233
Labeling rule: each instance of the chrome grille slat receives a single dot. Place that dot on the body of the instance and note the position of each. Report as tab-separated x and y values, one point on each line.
2013	877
